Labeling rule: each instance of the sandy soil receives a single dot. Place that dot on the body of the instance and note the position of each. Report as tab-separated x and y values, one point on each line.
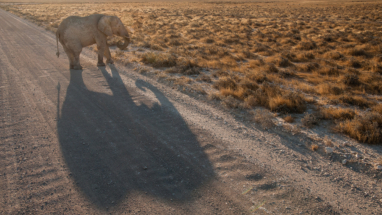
109	140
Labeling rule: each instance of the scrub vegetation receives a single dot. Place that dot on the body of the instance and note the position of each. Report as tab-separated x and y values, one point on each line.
286	57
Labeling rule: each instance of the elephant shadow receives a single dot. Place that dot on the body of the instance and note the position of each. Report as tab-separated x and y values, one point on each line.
114	146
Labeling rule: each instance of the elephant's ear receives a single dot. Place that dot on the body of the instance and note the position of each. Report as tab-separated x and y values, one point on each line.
104	25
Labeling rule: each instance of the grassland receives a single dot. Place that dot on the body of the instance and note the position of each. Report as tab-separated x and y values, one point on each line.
287	57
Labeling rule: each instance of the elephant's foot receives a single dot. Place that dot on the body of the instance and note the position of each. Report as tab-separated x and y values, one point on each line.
109	61
101	64
77	67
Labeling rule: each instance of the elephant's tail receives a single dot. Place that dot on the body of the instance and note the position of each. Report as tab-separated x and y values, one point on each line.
57	36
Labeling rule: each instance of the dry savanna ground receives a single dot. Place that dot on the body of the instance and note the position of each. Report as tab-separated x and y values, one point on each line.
319	61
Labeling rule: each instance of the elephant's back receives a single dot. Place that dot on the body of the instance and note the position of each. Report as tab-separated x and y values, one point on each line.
73	21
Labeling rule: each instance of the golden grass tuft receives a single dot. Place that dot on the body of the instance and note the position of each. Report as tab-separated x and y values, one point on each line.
366	128
159	59
314	147
337	113
289	119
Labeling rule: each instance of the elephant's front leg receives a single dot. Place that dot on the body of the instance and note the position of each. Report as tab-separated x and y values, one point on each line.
108	56
101	46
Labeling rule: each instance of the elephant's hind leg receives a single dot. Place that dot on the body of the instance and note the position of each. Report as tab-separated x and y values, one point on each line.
76	50
70	55
77	65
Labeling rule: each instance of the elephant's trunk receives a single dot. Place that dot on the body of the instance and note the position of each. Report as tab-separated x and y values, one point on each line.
126	41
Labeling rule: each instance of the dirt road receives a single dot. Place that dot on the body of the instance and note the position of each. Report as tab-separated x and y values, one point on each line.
108	140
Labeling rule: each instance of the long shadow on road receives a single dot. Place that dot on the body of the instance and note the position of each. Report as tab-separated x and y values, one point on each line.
114	146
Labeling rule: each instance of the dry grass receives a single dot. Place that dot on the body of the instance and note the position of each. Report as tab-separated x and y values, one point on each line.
289	119
337	113
159	59
259	54
311	119
366	128
314	147
263	117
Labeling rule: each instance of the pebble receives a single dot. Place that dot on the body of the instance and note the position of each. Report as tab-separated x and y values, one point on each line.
358	156
328	150
344	161
379	167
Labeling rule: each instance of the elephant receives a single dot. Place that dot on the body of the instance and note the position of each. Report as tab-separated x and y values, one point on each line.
76	32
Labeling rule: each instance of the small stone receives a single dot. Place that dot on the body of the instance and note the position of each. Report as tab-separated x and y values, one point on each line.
344	161
358	156
328	150
379	167
145	167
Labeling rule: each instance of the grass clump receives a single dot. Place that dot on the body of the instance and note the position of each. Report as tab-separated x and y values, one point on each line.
314	147
159	59
289	119
366	128
337	113
263	117
311	119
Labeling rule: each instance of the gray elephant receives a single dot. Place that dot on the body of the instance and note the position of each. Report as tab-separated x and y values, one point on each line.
75	32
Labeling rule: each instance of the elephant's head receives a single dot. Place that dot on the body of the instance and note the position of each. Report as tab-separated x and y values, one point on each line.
112	25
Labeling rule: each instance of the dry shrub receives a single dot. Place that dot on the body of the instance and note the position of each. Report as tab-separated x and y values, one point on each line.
248	85
239	93
214	96
377	68
328	141
333	55
287	103
328	38
352	71
308	67
356	100
307	45
258	77
330	71
263	117
305	56
159	59
225	83
188	67
230	102
326	89
337	113
255	63
377	108
366	128
204	78
289	119
351	80
269	68
285	73
357	52
352	62
314	147
279	61
276	99
182	81
311	119
248	54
